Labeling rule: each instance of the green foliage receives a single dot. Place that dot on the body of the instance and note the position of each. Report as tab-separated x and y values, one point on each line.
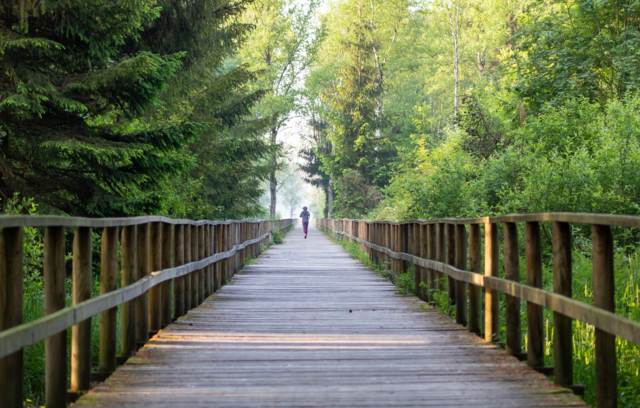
574	49
351	150
131	108
406	282
278	236
67	98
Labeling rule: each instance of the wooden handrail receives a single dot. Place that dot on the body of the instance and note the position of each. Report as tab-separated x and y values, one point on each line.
612	220
393	241
206	254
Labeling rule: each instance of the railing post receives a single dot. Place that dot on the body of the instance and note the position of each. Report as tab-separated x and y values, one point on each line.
221	246
604	298
406	244
441	253
491	267
562	325
432	275
388	243
155	263
398	246
178	260
202	278
422	251
236	239
81	291
128	276
535	325
187	278
512	272
166	296
216	266
208	284
142	303
451	260
195	276
418	249
108	283
461	263
376	232
54	300
475	265
11	299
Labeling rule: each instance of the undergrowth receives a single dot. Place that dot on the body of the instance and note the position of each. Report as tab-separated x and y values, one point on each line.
278	236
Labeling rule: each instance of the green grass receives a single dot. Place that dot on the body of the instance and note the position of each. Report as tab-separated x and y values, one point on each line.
627	282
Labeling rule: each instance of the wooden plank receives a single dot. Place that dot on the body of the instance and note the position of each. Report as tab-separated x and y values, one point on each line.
451	260
475	293
604	297
187	259
535	328
81	291
178	260
201	275
128	241
143	270
491	268
461	263
432	275
108	283
155	263
562	325
15	221
320	331
165	263
195	276
512	272
11	314
55	347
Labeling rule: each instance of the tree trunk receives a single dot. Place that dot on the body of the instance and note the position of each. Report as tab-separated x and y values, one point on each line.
454	20
455	75
273	183
330	199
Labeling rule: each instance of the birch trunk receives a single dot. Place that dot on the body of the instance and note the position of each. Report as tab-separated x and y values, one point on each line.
273	183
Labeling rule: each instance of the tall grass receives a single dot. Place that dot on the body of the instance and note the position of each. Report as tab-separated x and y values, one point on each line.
627	289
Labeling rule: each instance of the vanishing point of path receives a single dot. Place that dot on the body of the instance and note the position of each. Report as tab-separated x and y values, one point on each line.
308	326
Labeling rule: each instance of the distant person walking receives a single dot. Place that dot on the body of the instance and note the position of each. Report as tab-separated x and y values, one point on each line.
305	215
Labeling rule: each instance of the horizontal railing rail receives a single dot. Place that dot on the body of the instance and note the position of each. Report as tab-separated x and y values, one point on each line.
444	248
167	267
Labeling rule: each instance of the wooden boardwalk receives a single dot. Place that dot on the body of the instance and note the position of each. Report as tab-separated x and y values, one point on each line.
309	326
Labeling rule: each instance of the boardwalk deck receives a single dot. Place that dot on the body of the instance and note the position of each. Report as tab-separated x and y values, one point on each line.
309	326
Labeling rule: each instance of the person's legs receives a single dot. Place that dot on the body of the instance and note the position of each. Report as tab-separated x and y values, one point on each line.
305	228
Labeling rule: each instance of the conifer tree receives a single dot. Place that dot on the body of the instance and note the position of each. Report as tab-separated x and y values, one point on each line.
69	98
358	161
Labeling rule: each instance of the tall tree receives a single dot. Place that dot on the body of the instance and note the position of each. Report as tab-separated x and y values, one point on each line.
318	145
69	99
283	45
213	87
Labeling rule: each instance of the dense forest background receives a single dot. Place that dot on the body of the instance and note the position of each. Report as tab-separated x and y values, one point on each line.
406	109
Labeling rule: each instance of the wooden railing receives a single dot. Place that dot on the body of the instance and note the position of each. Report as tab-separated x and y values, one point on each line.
444	248
196	256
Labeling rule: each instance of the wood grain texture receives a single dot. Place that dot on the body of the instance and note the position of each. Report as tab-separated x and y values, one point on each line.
309	326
